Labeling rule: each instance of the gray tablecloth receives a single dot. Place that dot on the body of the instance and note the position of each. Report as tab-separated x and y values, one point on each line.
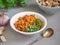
14	38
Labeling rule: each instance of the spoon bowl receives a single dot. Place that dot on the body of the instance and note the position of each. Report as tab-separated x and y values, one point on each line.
48	33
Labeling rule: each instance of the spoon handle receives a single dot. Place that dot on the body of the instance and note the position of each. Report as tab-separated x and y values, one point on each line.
33	42
37	39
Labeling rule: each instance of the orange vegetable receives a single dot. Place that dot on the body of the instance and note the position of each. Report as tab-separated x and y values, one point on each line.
23	22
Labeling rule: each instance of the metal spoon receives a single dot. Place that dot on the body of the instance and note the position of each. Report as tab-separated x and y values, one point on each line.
48	33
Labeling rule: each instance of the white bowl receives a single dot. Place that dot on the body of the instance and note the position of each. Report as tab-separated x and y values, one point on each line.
49	10
21	14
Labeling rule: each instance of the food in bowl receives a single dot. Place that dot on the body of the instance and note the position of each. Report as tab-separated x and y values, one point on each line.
50	3
28	23
15	18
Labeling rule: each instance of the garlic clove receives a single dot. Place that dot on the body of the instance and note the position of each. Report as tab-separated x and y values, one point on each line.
3	39
1	30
